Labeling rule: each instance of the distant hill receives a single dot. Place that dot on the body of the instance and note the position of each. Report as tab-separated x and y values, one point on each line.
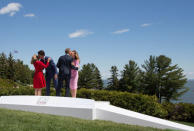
188	97
190	83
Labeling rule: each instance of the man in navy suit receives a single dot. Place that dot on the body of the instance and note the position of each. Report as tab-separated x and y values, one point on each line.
65	65
51	72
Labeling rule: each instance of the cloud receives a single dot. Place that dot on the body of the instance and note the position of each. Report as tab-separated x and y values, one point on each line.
121	31
12	14
10	9
29	15
145	24
80	33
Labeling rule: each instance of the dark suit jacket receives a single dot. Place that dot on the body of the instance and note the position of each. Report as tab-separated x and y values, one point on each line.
65	66
51	69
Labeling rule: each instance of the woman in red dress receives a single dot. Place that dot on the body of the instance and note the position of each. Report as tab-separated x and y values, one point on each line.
39	80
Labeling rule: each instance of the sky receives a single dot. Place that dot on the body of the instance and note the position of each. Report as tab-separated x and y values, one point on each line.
104	32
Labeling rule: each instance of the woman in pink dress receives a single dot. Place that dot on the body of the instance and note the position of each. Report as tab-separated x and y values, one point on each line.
74	74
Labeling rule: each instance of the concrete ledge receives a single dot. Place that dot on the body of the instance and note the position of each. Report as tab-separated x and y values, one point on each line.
80	108
72	112
119	115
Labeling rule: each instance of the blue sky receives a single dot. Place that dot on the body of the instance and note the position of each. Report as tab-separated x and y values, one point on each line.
104	32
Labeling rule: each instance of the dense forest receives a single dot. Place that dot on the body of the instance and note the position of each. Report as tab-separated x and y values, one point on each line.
15	69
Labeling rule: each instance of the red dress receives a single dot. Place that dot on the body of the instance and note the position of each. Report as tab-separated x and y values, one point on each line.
39	81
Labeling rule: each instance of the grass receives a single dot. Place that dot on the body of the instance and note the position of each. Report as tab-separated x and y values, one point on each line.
11	120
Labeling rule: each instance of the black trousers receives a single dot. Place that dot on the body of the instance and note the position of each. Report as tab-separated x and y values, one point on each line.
60	85
48	82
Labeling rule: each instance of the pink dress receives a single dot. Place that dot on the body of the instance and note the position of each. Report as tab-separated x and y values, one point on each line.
74	76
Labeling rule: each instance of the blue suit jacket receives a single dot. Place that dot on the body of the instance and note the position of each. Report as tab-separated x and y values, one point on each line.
65	66
51	70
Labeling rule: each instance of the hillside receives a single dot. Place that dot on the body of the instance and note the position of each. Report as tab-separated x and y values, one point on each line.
7	83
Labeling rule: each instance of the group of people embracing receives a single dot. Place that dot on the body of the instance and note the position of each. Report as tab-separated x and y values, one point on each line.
68	66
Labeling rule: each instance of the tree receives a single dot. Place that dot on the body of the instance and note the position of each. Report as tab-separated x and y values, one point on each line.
3	65
14	69
171	79
86	77
89	77
99	83
113	81
11	67
149	81
23	73
130	78
164	80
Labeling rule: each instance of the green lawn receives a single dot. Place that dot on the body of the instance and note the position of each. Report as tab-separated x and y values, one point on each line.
11	120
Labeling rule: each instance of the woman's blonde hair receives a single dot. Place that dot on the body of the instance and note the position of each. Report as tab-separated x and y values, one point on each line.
34	58
76	55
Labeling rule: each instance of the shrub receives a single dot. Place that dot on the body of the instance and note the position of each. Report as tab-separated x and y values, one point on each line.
7	83
180	111
136	102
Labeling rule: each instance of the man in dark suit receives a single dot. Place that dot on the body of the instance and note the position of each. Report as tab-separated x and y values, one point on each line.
65	65
51	72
